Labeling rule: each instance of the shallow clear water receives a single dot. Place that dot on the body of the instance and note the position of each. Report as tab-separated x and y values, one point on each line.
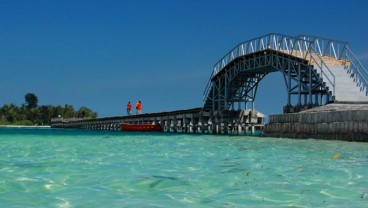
71	168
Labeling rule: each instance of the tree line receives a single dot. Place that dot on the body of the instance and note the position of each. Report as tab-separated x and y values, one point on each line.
32	114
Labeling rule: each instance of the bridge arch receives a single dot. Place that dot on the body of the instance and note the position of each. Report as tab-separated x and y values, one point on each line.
304	62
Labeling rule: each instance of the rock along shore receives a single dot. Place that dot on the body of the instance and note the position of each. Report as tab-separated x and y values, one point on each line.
336	121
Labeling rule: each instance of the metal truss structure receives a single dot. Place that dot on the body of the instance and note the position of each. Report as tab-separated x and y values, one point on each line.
302	61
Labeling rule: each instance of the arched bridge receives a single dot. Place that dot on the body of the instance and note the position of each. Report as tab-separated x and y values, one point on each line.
316	71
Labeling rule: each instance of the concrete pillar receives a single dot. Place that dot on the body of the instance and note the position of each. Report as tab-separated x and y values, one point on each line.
246	130
239	129
200	127
191	126
170	125
209	127
165	126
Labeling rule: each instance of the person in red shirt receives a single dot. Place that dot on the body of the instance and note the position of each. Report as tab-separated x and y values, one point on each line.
129	108
138	107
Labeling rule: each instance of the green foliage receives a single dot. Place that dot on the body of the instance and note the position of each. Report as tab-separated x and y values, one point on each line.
84	112
32	114
31	100
69	111
41	115
24	123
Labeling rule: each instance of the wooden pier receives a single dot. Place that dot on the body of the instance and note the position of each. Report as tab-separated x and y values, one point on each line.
182	121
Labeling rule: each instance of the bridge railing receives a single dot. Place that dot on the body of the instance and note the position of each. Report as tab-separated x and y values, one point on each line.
297	46
325	72
360	73
339	50
326	47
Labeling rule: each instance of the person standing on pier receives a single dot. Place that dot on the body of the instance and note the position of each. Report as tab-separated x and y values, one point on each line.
129	108
138	107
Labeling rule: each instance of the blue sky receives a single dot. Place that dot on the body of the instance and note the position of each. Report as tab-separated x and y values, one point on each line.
102	54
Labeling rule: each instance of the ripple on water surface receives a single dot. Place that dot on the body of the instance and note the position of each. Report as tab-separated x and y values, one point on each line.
63	168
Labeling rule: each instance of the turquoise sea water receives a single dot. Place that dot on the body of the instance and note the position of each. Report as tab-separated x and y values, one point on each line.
71	168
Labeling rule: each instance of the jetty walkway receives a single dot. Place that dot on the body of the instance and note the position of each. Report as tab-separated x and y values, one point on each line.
185	121
317	71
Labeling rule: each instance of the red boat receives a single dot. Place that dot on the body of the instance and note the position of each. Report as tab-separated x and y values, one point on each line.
140	127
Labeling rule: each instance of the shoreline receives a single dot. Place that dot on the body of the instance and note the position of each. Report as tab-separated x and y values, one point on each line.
24	126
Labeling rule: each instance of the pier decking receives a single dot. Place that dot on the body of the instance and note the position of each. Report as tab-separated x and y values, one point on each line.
186	121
